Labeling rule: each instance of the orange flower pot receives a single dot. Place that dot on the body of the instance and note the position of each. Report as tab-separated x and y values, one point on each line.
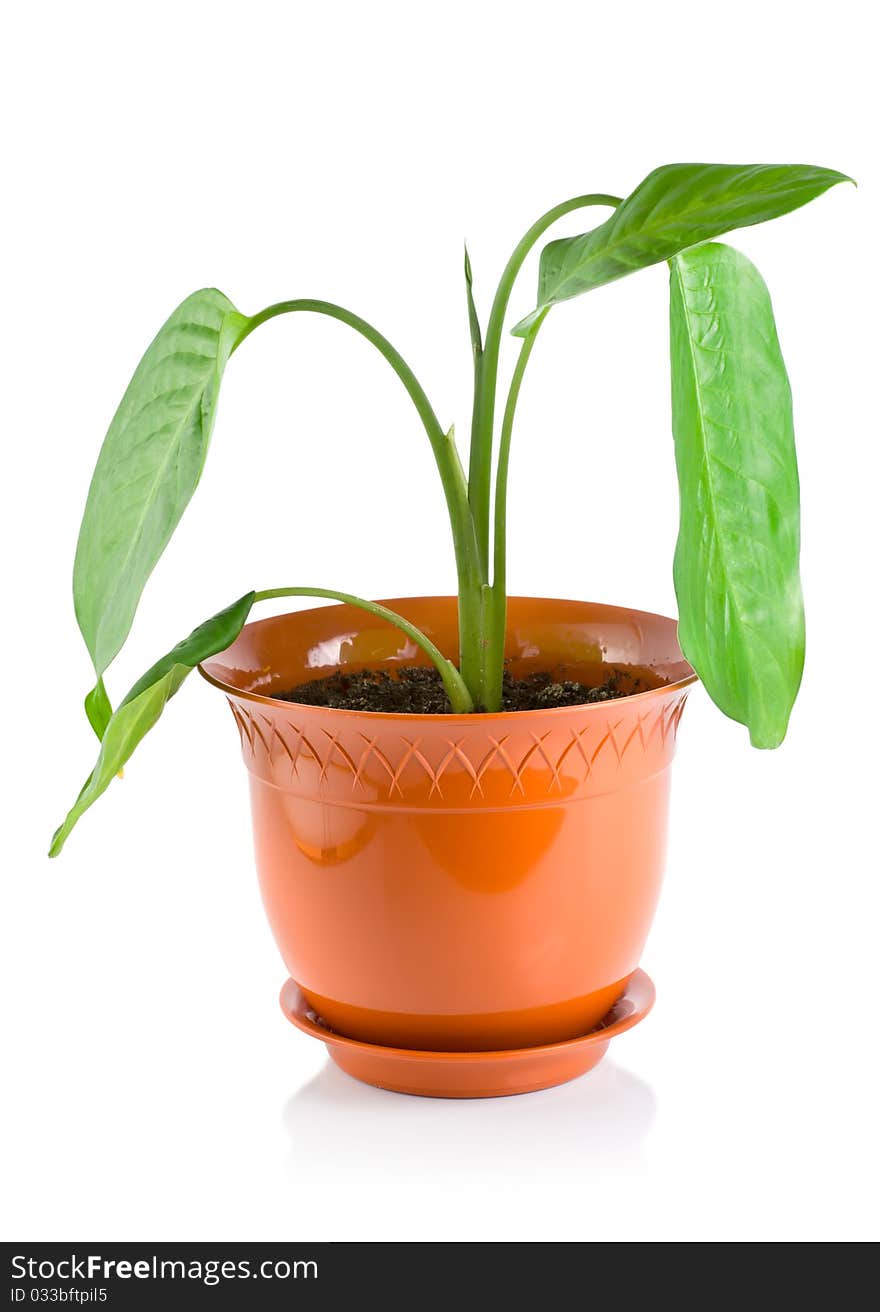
459	883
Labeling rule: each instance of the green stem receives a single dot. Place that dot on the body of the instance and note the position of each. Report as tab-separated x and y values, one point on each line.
496	619
473	656
448	464
470	599
480	470
459	697
477	353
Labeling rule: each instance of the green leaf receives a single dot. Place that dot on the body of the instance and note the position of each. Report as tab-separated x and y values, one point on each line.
216	634
126	728
736	561
675	207
473	318
98	708
148	468
146	701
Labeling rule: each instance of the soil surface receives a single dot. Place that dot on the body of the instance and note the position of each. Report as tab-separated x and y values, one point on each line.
418	690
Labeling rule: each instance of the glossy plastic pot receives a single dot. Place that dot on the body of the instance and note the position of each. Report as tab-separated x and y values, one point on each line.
459	882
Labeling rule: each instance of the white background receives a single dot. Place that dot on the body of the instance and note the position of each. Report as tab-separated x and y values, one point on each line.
152	1088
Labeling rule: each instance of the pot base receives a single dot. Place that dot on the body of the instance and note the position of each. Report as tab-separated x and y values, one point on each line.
473	1074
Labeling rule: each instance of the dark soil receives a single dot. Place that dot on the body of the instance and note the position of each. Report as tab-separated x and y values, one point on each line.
418	690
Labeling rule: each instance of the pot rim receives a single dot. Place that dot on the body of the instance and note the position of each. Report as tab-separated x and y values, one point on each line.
468	717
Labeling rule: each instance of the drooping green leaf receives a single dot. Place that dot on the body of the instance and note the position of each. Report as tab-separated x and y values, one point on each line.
216	634
741	613
125	729
148	468
146	701
675	207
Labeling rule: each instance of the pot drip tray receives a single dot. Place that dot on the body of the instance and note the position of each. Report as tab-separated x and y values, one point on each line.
473	1074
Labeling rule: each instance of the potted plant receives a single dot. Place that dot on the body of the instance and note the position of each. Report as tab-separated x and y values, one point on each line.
460	802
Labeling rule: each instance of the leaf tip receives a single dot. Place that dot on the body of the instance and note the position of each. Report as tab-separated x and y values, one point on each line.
767	739
834	177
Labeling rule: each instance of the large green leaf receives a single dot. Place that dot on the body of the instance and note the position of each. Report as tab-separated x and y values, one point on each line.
741	613
147	470
675	207
146	701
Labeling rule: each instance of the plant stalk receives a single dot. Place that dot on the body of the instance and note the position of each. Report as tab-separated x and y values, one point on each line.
449	466
480	467
495	618
456	689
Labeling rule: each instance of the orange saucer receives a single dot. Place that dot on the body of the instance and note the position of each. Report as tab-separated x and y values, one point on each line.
473	1074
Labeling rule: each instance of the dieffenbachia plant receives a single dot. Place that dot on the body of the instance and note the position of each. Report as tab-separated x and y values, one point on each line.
736	577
